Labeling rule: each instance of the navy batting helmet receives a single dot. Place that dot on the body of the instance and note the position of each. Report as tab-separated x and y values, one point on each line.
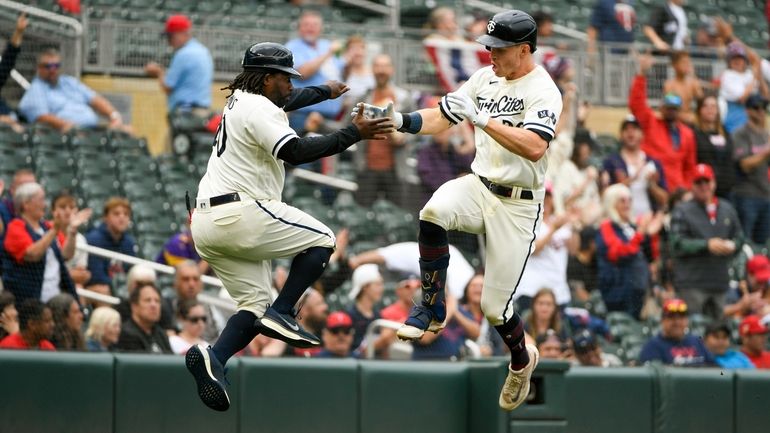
271	56
510	28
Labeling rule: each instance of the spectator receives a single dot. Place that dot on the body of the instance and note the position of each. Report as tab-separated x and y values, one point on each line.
68	321
180	247
667	27
187	82
398	311
34	266
113	235
62	101
356	73
544	315
76	260
705	235
383	160
582	268
316	59
193	318
7	210
312	317
547	266
685	84
717	341
337	337
666	139
589	353
443	22
715	145
138	275
188	285
751	193
366	293
9	317
635	169
448	344
448	155
551	345
142	333
7	63
737	83
674	345
754	339
754	294
35	327
404	257
576	183
624	251
612	21
103	330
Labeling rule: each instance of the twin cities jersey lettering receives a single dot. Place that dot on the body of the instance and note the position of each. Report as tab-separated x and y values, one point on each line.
532	102
244	156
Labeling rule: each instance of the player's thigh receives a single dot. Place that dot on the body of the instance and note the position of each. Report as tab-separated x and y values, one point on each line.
229	230
248	282
289	231
511	227
457	205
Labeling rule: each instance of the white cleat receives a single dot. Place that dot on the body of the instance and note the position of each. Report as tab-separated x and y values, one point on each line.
413	333
516	387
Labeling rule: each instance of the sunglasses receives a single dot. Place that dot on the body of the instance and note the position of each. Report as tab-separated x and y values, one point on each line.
51	65
197	319
344	331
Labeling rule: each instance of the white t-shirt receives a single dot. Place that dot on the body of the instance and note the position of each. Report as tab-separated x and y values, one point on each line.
732	84
548	267
51	274
404	257
80	259
245	157
681	31
640	199
532	102
180	346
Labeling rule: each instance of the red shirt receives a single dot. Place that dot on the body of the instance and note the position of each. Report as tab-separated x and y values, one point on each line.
18	239
14	341
395	312
760	361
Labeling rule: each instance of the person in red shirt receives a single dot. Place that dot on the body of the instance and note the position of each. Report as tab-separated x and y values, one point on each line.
754	337
666	138
35	328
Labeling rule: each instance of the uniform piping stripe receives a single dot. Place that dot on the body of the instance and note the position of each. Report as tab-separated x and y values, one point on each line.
281	142
540	125
442	105
290	223
534	235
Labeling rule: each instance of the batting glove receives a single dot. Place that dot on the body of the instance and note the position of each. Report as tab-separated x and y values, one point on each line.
462	105
375	112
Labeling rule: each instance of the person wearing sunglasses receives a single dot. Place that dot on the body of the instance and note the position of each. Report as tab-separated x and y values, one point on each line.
337	337
63	102
193	319
675	345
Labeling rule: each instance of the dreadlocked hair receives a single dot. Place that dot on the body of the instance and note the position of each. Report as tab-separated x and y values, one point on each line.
248	81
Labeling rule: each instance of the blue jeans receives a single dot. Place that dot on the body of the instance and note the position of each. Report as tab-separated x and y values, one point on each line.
755	217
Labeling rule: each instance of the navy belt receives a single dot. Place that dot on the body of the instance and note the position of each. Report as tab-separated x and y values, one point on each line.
507	191
224	199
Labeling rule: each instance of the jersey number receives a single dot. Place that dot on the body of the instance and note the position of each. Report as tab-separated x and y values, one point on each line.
221	144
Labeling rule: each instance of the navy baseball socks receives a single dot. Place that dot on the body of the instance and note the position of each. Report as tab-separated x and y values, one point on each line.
524	358
280	319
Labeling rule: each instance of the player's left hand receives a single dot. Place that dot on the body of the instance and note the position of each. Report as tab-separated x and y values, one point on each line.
463	106
338	88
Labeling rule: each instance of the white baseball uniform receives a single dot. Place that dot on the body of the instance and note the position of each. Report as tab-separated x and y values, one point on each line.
532	102
239	239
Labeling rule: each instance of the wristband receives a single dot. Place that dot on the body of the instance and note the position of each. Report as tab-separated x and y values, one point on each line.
412	123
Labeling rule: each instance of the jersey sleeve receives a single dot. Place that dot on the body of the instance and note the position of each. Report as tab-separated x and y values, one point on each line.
271	130
468	88
542	114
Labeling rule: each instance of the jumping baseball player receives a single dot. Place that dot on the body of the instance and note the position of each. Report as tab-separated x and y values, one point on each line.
514	106
240	223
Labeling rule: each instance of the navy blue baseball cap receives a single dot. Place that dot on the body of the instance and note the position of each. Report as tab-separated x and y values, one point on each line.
584	341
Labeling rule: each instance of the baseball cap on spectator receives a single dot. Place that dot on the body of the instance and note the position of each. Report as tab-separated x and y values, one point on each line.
751	325
177	23
629	120
362	276
736	49
703	171
755	101
339	320
584	341
716	327
671	99
674	307
759	268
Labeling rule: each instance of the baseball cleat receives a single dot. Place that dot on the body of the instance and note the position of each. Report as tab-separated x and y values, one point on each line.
516	387
420	319
284	327
209	375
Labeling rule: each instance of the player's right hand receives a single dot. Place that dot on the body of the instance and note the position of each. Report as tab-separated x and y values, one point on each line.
372	129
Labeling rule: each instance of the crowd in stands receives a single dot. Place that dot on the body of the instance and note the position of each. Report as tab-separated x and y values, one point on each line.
654	250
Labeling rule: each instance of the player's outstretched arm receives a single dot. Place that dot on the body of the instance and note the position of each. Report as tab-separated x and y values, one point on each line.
302	97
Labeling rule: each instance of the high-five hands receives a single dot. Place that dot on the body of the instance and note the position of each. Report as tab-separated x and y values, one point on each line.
376	112
372	128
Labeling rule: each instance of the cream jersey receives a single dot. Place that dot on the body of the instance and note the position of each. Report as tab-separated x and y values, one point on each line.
244	157
532	102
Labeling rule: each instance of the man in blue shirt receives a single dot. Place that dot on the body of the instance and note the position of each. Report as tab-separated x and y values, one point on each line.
113	235
717	341
315	59
673	346
611	21
62	101
187	82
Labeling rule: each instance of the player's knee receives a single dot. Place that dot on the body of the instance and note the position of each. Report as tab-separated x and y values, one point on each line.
493	310
321	254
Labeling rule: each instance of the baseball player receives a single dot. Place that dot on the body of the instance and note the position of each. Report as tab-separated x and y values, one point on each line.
514	106
240	223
